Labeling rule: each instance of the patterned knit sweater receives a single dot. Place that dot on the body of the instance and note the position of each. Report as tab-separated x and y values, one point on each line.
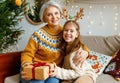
70	71
42	47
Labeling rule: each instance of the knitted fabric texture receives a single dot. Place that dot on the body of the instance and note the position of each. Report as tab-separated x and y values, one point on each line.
42	47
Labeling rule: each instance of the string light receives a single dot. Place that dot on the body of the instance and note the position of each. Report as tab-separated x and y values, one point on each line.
98	14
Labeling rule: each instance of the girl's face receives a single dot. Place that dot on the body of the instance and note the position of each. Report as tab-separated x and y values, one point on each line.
52	16
69	33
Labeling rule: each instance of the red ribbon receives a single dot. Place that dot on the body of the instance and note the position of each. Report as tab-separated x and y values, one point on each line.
37	65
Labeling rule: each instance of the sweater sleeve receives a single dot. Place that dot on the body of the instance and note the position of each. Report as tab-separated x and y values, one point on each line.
67	74
29	52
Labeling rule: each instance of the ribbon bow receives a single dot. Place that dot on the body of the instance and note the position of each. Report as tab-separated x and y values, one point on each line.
37	65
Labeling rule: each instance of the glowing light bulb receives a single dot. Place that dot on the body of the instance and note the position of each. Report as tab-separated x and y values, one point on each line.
116	18
91	22
115	28
116	24
89	32
90	7
116	14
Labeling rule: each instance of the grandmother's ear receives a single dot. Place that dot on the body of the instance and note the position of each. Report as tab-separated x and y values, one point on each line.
44	20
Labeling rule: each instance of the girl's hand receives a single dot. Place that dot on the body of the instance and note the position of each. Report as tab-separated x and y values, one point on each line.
53	72
80	57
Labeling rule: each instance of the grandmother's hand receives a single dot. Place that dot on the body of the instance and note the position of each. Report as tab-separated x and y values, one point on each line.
24	73
80	57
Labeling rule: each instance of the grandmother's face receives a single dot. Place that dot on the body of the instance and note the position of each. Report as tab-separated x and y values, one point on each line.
52	15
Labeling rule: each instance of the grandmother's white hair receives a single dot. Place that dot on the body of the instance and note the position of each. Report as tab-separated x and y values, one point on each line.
45	6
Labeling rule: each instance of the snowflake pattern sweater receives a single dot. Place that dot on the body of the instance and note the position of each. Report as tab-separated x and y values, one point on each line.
42	47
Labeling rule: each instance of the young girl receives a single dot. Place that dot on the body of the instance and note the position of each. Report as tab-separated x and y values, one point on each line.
82	73
43	44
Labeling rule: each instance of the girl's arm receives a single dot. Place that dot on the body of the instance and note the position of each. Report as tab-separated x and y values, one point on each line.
67	74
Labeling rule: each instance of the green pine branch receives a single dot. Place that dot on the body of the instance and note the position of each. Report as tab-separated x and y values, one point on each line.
10	16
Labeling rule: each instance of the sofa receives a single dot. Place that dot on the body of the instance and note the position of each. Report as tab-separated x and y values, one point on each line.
108	45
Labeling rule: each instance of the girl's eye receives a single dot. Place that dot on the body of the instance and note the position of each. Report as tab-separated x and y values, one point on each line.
71	31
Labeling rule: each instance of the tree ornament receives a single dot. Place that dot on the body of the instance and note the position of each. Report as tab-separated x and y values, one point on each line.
18	2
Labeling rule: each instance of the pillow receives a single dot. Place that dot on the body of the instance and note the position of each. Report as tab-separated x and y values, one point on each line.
98	61
113	68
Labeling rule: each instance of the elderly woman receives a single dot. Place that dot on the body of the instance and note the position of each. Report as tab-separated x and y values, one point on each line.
43	44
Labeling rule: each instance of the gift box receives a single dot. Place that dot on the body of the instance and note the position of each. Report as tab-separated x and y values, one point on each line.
39	71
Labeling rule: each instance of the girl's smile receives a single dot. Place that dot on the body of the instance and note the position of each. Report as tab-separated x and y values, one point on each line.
69	33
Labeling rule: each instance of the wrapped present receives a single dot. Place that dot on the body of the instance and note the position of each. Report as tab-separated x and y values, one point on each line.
39	71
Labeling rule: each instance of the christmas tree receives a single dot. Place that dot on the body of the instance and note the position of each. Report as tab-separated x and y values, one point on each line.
10	16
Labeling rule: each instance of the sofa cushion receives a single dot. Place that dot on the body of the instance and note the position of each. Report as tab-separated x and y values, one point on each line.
12	79
98	61
113	67
105	78
106	45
